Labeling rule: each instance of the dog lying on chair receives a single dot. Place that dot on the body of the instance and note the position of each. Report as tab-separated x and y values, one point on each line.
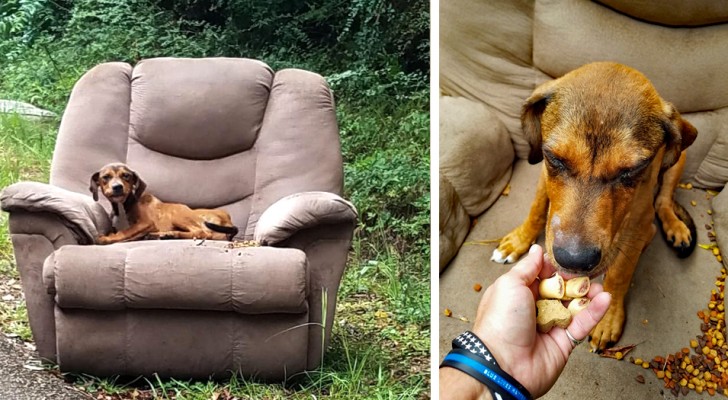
150	218
613	154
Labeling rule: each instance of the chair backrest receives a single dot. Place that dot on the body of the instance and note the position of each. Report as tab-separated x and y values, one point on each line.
213	132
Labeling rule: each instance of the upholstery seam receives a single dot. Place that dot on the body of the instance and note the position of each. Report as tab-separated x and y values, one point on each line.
255	199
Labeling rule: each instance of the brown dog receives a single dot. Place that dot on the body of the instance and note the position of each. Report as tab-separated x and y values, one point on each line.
150	218
608	141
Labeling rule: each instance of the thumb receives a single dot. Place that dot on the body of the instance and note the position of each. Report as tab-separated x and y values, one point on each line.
527	269
586	320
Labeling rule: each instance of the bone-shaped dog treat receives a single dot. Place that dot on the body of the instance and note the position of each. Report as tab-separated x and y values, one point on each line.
550	311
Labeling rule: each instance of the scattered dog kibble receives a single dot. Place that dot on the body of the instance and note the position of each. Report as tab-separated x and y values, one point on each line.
703	367
640	378
507	190
477	287
448	313
693	203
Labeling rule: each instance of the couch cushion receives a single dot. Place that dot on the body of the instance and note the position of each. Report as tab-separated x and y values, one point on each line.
720	222
198	109
686	65
476	155
707	157
713	172
486	56
178	275
673	12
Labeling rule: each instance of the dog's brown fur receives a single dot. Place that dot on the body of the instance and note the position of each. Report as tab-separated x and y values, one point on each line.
608	141
149	217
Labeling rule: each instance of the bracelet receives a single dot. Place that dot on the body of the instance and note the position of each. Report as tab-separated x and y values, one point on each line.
471	353
499	387
472	343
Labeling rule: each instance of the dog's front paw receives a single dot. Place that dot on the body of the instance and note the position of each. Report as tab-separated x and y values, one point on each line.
677	233
609	329
104	239
513	246
159	235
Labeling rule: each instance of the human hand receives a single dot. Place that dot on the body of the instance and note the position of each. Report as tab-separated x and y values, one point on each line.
506	323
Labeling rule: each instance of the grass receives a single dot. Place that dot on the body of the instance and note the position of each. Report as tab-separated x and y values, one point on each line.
381	335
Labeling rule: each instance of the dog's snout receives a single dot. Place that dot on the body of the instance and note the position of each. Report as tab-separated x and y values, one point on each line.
578	258
117	188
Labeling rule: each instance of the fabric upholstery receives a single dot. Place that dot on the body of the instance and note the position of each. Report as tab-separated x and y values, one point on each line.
184	344
198	277
454	222
685	65
719	205
673	12
713	171
80	213
476	155
221	132
302	211
486	56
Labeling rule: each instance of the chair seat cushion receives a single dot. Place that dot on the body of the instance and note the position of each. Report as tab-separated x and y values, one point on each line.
178	274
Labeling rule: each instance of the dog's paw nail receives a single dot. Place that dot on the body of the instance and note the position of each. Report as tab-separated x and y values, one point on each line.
510	259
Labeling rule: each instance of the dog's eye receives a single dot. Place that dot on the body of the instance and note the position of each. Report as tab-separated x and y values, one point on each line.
626	178
106	178
630	176
126	176
555	163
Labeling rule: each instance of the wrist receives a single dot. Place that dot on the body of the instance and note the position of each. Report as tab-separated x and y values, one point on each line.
455	384
504	362
472	356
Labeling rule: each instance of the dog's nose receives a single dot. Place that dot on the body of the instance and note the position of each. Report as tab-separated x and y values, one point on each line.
578	258
118	188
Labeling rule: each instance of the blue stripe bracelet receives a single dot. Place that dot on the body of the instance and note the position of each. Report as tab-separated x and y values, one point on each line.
454	358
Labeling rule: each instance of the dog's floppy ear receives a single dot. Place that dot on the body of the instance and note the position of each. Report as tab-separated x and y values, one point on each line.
94	186
139	186
531	118
679	135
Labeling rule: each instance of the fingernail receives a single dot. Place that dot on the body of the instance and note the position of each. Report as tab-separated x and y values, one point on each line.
533	248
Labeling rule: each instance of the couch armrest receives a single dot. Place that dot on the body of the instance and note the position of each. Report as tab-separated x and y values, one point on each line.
301	211
81	214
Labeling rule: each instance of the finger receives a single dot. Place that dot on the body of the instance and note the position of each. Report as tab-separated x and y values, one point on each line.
548	269
527	269
584	321
594	290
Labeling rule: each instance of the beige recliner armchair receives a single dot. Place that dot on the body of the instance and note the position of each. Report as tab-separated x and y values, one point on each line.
227	133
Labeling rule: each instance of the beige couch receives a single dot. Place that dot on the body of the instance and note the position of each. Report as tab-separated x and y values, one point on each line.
227	133
492	55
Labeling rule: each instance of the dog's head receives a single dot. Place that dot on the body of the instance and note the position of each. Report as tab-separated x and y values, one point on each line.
117	183
604	135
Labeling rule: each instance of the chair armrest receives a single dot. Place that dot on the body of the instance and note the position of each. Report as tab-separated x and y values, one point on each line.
81	214
301	211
